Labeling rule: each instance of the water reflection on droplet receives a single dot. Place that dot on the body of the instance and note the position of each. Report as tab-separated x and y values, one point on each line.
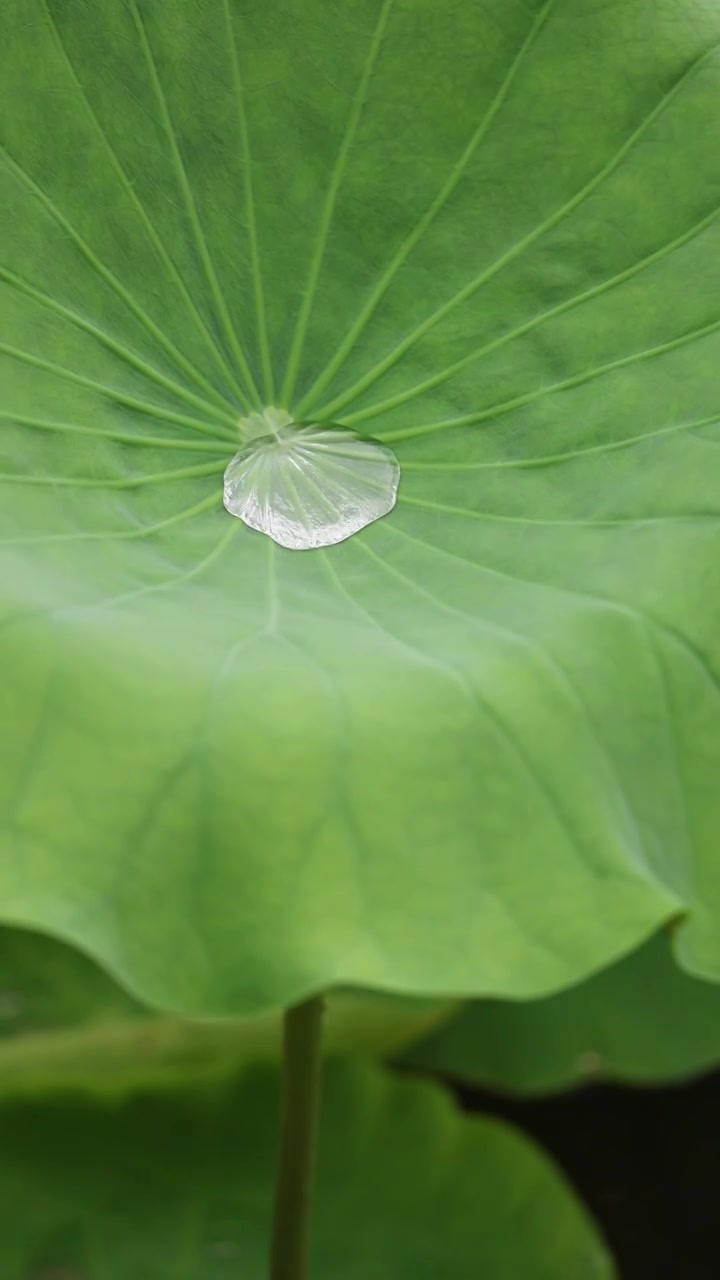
308	485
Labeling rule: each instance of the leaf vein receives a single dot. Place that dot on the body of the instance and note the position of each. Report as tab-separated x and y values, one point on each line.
155	238
128	356
410	393
111	393
418	231
250	211
547	224
326	218
193	217
567	384
105	274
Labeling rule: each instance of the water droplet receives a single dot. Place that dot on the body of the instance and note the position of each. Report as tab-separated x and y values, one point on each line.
308	485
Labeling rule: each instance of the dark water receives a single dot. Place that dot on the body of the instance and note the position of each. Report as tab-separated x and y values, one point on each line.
645	1161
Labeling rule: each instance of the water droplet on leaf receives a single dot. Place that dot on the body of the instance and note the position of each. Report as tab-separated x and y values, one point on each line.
308	485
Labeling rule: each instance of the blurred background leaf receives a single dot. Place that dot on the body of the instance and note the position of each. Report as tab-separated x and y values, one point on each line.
642	1021
179	1184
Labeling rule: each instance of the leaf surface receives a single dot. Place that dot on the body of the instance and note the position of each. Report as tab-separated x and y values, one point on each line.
474	748
64	1024
642	1021
407	1189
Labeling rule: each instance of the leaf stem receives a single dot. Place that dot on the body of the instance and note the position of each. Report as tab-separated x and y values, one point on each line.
302	1057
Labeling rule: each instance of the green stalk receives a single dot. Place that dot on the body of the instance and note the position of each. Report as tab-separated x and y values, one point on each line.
302	1056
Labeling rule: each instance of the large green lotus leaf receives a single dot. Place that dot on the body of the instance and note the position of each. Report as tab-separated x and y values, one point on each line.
408	1190
65	1024
642	1021
474	748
